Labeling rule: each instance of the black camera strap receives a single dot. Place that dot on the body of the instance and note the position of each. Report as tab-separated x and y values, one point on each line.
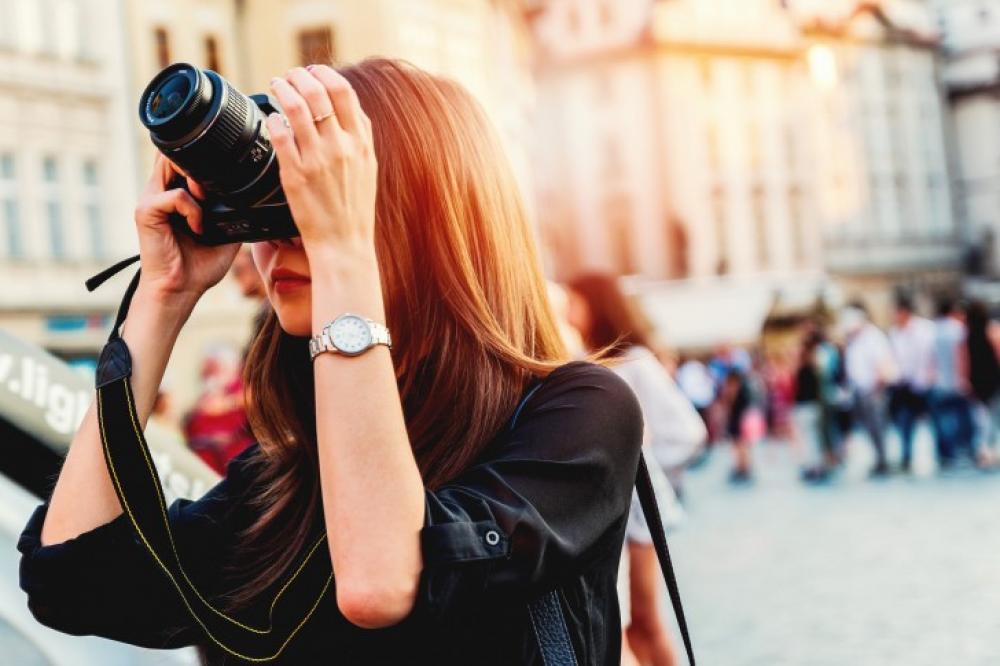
140	492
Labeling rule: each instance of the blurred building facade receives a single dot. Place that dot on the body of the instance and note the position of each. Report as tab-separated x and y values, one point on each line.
882	147
739	138
971	45
705	143
483	44
67	168
671	142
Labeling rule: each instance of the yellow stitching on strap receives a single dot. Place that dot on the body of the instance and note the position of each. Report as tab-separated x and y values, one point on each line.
152	470
128	510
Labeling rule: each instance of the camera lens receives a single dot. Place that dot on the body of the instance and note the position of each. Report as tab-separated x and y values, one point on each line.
177	102
213	131
169	97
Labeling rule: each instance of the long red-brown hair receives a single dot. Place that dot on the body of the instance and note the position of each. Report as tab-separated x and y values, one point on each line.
465	300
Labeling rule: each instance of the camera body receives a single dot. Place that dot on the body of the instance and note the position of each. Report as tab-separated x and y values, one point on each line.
218	136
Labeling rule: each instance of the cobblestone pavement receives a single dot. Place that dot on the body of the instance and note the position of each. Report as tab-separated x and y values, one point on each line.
902	571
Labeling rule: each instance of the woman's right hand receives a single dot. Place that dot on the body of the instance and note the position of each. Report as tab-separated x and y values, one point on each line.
174	265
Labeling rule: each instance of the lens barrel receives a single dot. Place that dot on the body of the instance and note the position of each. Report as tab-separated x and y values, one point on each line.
213	131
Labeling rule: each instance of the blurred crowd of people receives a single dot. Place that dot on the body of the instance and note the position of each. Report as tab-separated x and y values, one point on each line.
850	376
942	370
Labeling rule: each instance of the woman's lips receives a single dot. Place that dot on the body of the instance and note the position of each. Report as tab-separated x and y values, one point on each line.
287	284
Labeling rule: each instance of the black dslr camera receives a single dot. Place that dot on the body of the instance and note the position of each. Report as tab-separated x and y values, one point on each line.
218	136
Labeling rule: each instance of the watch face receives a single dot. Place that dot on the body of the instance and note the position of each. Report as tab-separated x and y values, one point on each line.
350	334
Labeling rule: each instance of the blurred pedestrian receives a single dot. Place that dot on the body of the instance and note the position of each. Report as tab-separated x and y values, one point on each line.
673	434
696	382
912	338
951	411
734	414
807	413
216	427
982	359
870	369
777	375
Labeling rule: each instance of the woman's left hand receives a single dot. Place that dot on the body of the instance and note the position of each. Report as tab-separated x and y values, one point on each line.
327	167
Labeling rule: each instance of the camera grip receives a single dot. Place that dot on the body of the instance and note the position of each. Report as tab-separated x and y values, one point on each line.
178	222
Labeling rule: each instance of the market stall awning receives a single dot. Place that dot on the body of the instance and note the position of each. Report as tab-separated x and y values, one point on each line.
702	314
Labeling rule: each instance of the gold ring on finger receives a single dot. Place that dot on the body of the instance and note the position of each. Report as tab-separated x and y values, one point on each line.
319	119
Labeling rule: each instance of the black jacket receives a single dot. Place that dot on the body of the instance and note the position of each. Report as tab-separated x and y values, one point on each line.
556	488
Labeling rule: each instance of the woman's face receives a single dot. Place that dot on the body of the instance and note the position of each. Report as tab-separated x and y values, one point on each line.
284	267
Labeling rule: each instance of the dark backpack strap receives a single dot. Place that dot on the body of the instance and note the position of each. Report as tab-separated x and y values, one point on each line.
549	623
647	499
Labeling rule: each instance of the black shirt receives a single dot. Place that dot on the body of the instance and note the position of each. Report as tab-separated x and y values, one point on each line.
557	487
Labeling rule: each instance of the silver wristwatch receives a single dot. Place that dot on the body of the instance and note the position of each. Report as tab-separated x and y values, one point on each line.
349	334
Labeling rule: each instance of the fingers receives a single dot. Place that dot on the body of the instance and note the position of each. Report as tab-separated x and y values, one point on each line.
315	95
284	144
163	204
195	187
345	101
164	170
296	109
158	177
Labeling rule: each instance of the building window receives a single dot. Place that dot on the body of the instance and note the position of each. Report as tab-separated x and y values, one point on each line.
618	213
573	19
712	148
755	149
606	12
92	209
162	41
797	222
604	86
706	72
614	161
212	54
719	220
316	46
893	70
760	227
791	146
9	209
53	207
8	38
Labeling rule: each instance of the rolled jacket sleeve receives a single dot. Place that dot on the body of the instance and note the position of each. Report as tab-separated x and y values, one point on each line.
549	496
104	582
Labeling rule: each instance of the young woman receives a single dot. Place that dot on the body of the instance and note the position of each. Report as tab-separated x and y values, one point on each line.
442	521
673	432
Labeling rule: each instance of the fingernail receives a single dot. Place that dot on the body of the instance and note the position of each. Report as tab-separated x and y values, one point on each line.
274	80
310	67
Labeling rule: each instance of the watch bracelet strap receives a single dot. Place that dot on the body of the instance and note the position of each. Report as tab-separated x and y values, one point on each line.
380	333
